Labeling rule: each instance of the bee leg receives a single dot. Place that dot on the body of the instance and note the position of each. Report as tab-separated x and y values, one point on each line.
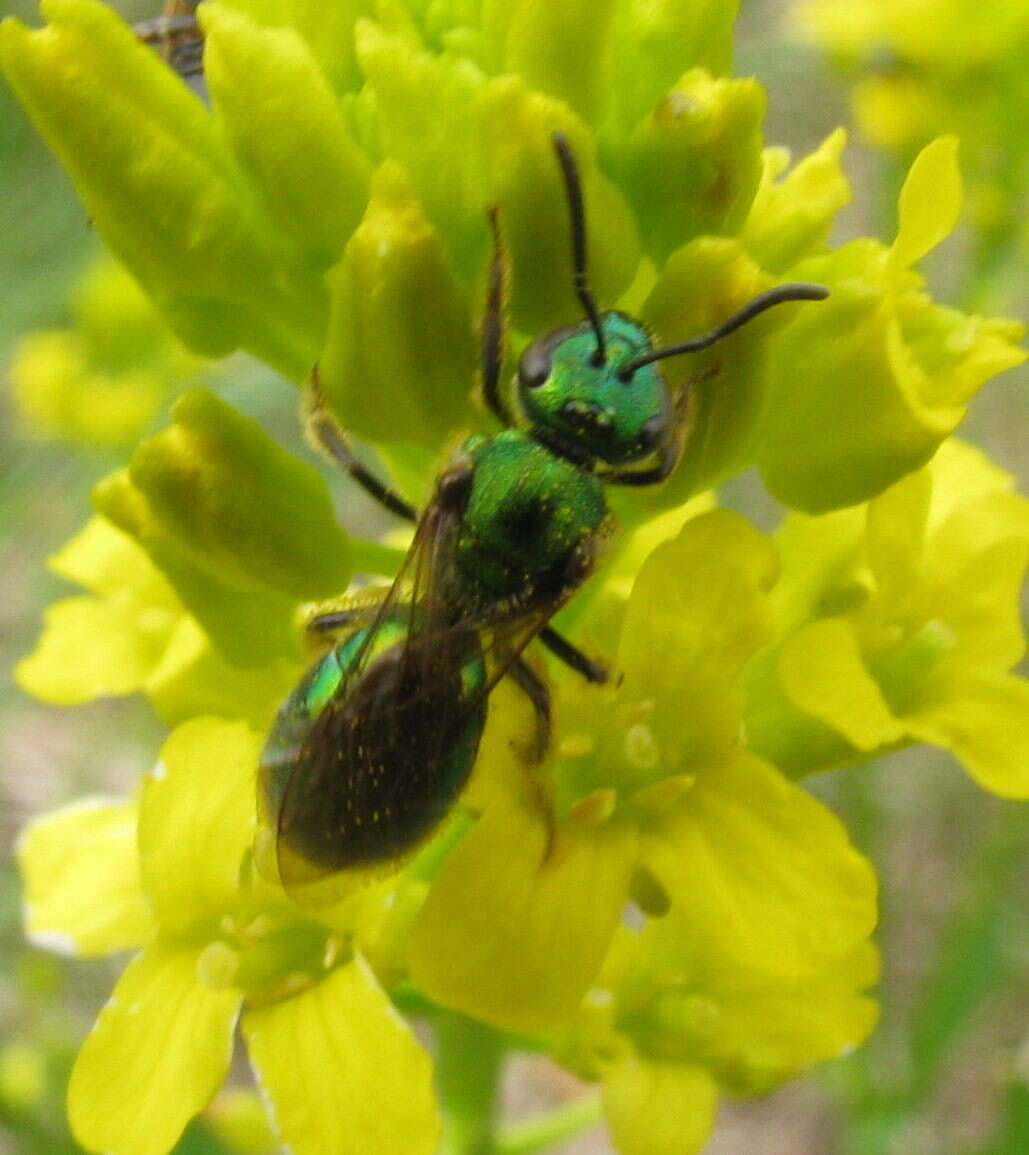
536	691
572	656
326	432
530	683
333	620
493	326
178	37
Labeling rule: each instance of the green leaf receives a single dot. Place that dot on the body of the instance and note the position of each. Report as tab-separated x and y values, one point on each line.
975	959
1014	1125
342	1071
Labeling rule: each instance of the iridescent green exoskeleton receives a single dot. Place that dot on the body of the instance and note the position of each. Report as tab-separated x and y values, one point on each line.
374	746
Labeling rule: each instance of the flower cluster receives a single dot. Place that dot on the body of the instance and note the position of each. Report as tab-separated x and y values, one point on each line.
101	381
689	920
923	67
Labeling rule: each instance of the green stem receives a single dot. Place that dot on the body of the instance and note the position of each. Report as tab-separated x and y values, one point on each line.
469	1059
545	1130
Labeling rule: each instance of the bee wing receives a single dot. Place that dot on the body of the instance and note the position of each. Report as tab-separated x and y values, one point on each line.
385	759
341	800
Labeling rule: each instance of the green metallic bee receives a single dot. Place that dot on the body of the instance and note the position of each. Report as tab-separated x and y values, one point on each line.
374	746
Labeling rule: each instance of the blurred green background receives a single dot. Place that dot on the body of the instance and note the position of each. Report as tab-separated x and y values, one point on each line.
946	1072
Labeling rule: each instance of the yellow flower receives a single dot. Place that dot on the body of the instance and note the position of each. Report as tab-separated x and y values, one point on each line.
130	633
101	381
899	621
656	800
672	1024
166	875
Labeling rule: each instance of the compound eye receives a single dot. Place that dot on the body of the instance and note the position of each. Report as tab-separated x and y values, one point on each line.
534	367
653	433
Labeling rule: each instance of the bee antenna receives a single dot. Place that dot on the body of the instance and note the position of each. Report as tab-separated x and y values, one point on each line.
573	186
794	291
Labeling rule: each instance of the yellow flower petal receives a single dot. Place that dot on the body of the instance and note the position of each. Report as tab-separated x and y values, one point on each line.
342	1071
822	567
930	201
766	1032
762	870
158	1052
823	673
698	610
962	474
791	218
657	1108
192	678
980	602
197	819
80	867
89	649
894	534
108	644
983	717
514	940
